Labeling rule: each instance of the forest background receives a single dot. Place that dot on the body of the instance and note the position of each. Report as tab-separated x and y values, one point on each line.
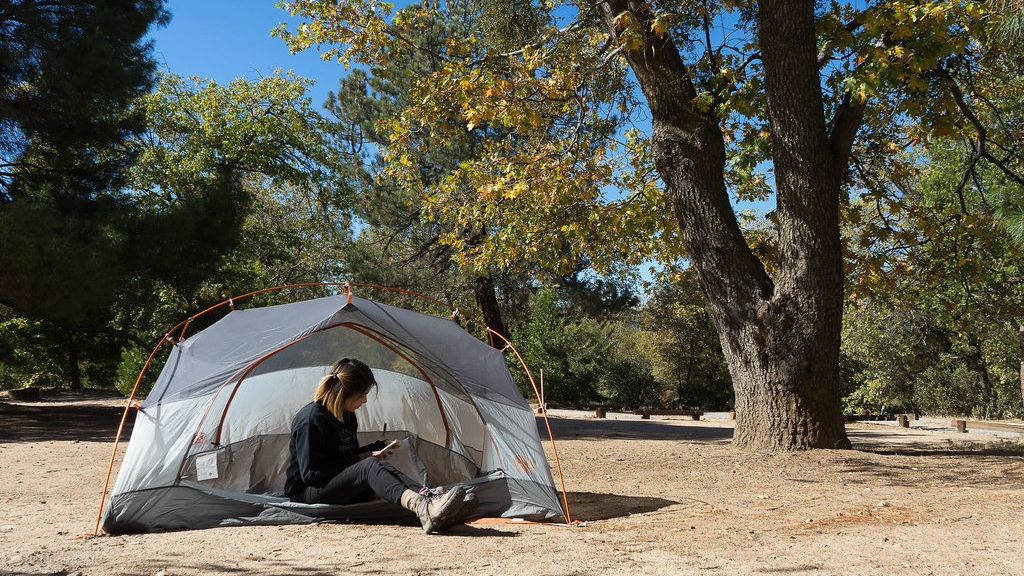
132	198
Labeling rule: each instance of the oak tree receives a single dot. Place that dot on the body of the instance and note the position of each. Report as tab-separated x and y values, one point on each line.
744	98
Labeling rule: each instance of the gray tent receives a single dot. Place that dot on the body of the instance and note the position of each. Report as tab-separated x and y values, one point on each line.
209	445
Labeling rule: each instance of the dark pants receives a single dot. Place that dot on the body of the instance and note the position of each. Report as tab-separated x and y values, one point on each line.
359	482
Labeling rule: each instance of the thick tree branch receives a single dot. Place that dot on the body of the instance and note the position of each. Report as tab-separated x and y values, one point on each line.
843	130
689	153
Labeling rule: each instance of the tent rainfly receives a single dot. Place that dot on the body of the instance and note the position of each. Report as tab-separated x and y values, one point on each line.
209	446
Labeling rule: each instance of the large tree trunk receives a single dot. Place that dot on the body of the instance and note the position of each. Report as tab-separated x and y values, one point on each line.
488	302
780	336
74	370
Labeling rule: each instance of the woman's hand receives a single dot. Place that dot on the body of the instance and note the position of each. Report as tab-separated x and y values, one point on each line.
373	447
379	449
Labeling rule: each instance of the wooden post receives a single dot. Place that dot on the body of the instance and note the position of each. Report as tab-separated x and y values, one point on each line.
1020	341
732	415
646	415
960	425
600	413
902	420
542	403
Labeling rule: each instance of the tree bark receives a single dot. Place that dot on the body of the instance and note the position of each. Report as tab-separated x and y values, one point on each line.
780	336
74	370
1020	340
487	300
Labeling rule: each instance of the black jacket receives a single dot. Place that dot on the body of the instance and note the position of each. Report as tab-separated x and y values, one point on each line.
321	446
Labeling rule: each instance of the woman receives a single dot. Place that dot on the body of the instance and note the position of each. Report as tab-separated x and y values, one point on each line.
328	466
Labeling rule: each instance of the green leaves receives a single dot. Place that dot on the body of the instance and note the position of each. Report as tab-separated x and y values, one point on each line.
542	181
70	71
227	172
266	127
935	289
529	141
355	29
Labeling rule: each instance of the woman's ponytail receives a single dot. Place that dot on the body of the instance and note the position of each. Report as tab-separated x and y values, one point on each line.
347	378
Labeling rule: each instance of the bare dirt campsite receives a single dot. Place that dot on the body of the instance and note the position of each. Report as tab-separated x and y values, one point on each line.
666	495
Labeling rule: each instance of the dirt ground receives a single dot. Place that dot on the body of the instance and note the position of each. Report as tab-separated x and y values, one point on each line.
660	496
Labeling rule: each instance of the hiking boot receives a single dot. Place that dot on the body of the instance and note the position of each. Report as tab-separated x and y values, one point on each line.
438	512
470	498
469	504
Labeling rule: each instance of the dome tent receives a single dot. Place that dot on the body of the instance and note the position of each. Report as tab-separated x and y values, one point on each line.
209	446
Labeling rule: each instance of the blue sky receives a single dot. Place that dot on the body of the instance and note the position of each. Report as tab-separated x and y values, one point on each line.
227	39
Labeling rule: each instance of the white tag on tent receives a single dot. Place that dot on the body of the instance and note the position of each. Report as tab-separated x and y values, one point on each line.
206	466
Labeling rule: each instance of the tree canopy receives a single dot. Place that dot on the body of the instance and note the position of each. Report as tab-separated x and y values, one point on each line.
745	98
228	187
69	73
518	157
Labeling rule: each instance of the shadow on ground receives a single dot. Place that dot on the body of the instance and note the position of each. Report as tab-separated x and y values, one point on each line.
588	506
578	428
59	419
895	443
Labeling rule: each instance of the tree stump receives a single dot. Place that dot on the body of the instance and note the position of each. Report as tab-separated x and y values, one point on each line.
27	394
903	421
960	425
600	413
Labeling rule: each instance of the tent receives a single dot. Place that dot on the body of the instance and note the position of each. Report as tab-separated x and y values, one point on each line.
209	445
